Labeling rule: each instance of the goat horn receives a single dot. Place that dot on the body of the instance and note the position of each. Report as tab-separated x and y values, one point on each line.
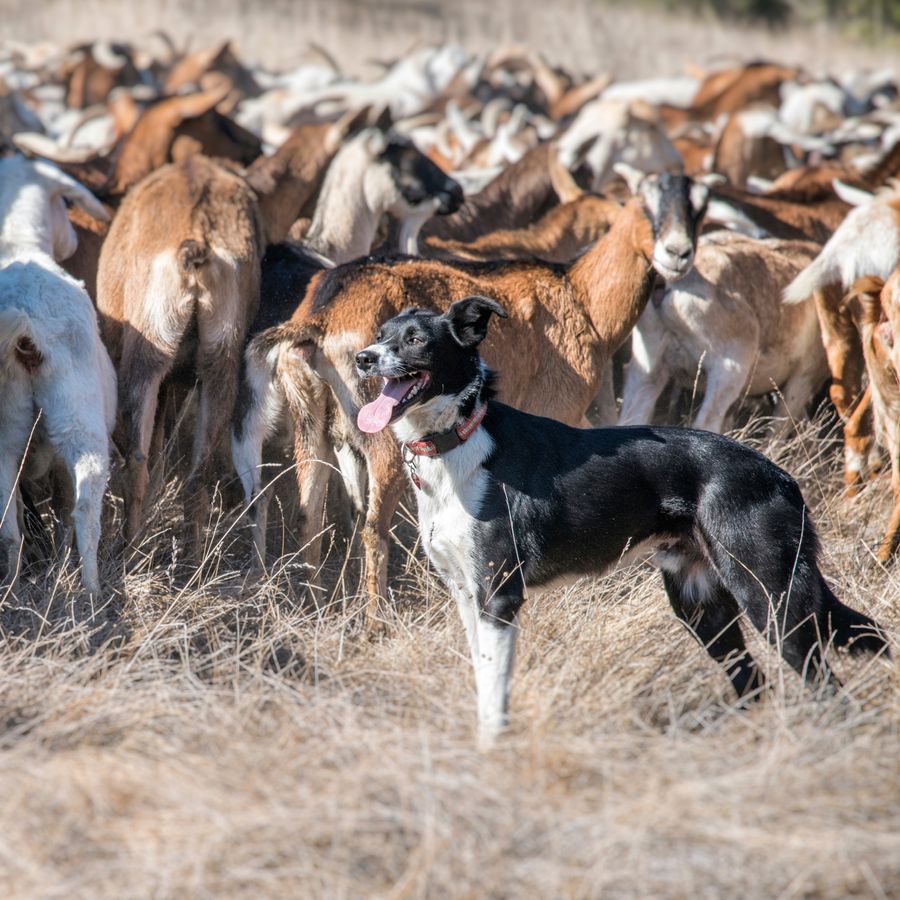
317	49
33	144
192	106
849	194
105	56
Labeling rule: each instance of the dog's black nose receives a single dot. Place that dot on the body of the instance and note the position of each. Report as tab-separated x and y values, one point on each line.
365	359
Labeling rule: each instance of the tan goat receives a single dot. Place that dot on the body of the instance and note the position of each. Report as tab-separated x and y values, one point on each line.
177	287
875	307
743	342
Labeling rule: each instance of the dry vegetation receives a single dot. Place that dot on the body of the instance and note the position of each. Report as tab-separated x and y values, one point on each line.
627	39
202	735
198	736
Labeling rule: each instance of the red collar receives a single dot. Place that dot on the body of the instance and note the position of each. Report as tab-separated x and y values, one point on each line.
445	441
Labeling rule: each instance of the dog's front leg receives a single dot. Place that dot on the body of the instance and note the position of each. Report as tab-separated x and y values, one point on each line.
493	652
468	612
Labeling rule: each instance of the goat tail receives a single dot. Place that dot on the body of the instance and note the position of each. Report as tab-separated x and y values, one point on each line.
192	254
845	627
821	272
18	340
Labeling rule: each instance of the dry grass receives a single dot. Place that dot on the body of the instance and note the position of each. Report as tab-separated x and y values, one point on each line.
626	39
197	737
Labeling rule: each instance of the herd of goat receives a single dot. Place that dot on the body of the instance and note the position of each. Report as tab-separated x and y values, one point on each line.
173	221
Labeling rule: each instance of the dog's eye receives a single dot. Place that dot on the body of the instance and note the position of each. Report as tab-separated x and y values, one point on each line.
413	338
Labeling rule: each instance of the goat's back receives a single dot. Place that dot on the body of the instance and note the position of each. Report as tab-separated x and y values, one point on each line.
547	350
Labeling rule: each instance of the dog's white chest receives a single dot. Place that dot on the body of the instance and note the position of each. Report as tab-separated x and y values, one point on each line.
447	510
449	499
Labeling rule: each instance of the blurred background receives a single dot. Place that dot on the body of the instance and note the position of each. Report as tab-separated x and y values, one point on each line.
630	40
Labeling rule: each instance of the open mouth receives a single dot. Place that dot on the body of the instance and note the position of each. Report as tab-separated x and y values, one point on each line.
395	396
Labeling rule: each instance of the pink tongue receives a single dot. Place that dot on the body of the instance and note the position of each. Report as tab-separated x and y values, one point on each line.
375	416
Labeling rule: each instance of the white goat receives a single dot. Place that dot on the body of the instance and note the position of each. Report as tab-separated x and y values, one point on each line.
745	342
53	365
621	131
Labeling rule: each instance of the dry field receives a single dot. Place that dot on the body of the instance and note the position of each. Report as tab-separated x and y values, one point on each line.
197	736
200	734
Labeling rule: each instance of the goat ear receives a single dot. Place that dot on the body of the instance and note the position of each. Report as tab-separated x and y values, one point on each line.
561	178
385	120
69	188
699	196
375	141
469	318
348	124
632	176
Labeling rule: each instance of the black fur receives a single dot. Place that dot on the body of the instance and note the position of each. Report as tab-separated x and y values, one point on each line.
418	178
731	529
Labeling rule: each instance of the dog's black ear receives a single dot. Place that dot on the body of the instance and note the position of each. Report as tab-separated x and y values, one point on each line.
468	318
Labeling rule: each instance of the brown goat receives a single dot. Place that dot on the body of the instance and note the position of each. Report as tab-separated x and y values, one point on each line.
520	194
214	64
178	285
740	152
564	323
729	91
150	144
875	307
867	243
94	70
558	236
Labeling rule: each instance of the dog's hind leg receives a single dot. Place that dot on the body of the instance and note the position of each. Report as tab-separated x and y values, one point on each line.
712	617
777	587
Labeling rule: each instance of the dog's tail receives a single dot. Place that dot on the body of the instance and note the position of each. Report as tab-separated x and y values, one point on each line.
19	342
845	627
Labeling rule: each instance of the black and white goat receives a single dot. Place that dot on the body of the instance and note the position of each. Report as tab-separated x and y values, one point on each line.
56	378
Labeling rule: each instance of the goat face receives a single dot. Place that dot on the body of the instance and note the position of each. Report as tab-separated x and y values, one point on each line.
418	184
675	205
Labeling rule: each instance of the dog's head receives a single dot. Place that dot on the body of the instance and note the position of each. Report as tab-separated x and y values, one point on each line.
422	356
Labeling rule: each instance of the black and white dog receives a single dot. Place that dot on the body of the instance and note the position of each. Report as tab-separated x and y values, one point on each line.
509	501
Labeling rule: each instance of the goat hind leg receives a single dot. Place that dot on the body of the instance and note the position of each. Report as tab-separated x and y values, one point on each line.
89	470
891	541
250	425
15	428
142	372
315	460
217	373
10	536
